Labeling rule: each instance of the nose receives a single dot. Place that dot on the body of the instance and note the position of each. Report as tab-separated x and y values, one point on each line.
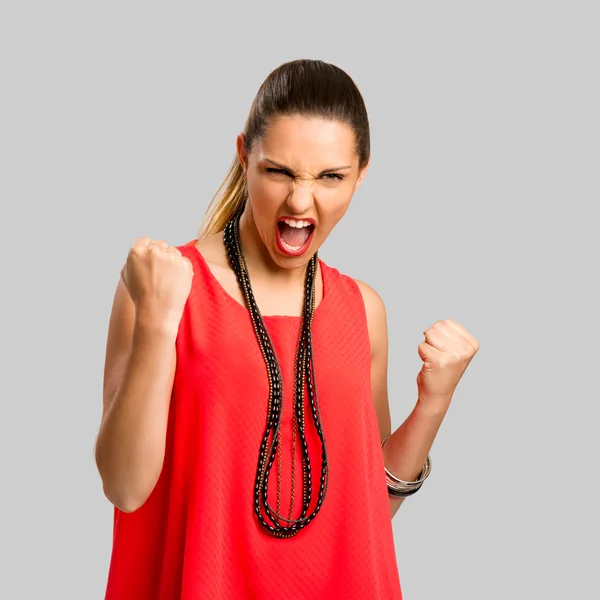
300	199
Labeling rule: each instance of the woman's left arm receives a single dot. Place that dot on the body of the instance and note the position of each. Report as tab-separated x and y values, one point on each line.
446	354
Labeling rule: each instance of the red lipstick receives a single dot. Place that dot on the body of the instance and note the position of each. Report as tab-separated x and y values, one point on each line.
289	251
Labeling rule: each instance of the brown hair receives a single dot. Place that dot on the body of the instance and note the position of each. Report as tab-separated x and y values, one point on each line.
306	87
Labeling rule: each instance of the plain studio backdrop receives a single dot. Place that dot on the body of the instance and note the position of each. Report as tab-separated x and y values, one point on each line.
118	119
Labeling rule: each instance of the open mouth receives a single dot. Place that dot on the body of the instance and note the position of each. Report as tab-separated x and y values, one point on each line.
294	235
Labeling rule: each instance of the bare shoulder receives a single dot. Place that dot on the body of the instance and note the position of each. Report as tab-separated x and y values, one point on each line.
213	252
213	249
373	301
376	314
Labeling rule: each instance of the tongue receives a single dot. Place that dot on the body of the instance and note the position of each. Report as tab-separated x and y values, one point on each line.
294	236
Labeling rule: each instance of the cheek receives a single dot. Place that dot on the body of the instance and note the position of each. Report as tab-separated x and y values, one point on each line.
265	196
266	204
332	208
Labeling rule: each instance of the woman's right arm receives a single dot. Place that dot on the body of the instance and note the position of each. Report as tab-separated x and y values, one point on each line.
138	380
139	370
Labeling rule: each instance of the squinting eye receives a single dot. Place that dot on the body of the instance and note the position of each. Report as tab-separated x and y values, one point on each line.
328	176
276	171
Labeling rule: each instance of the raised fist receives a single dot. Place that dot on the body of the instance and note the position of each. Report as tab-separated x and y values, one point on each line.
158	278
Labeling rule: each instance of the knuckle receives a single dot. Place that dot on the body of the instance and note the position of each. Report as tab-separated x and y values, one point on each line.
140	244
144	240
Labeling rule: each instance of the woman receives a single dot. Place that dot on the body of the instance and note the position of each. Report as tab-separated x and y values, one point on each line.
242	349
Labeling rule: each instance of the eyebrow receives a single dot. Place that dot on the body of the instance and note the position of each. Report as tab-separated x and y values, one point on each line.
321	173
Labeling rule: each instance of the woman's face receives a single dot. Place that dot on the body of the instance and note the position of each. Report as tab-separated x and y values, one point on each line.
304	170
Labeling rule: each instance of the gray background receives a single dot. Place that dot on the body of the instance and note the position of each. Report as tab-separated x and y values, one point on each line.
118	119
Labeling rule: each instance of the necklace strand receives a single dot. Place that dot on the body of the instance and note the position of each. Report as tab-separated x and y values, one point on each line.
304	377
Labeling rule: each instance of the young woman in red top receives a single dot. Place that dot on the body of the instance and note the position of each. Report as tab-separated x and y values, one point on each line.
246	378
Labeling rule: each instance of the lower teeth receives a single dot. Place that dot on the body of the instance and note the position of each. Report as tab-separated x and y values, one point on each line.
292	248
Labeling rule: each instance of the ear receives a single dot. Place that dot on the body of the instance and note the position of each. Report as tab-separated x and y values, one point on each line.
362	174
241	152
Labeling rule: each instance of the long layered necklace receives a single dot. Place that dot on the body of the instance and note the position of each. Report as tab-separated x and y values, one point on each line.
304	376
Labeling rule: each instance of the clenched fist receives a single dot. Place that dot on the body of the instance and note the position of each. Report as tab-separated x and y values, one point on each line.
158	278
446	353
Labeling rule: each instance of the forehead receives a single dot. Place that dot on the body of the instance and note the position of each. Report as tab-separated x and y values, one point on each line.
302	142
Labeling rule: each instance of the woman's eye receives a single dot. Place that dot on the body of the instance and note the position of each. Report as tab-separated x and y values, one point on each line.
276	171
328	176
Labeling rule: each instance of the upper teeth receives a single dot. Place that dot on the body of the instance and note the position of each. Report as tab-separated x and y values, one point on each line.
295	223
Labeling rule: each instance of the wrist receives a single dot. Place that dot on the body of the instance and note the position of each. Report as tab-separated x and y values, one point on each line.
148	320
433	406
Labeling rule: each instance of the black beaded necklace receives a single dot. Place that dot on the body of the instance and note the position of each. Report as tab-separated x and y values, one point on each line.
303	374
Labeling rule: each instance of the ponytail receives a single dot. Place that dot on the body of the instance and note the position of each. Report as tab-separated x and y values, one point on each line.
224	205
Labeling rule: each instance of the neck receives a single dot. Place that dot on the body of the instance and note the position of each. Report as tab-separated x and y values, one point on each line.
258	258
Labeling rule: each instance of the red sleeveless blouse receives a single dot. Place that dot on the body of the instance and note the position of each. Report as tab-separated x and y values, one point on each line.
197	536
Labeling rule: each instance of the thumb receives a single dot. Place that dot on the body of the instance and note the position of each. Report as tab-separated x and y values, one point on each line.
427	352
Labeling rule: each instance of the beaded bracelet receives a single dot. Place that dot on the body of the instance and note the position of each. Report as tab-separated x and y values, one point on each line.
400	488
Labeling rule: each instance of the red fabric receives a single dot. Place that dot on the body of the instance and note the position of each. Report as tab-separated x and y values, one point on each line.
197	537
